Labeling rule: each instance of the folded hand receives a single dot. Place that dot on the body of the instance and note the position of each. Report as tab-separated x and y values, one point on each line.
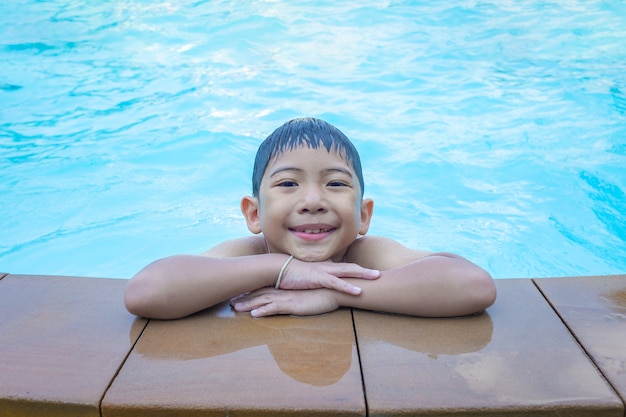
300	275
270	301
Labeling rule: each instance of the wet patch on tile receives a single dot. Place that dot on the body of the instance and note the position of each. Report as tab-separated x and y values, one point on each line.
219	361
516	358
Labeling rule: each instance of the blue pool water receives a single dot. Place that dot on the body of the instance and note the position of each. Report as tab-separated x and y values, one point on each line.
496	130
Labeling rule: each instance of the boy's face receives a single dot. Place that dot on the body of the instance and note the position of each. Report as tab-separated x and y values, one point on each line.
309	205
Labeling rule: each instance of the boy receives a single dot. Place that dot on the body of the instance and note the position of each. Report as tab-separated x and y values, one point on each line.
309	253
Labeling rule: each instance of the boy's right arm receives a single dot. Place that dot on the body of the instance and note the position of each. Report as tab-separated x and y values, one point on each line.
180	285
177	286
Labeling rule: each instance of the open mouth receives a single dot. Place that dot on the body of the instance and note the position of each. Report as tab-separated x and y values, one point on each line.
312	231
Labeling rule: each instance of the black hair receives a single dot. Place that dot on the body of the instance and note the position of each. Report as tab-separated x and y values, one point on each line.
308	132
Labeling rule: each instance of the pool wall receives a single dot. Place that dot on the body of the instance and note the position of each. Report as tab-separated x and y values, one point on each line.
547	347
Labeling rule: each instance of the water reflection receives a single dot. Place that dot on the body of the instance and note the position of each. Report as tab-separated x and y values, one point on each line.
616	300
313	350
519	353
434	337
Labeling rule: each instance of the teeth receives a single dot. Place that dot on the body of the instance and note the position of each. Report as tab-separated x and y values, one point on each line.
316	230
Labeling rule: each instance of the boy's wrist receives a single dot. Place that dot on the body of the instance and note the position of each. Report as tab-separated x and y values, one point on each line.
282	272
338	297
275	265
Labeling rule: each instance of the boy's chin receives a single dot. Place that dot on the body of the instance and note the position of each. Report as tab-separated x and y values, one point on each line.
318	257
311	258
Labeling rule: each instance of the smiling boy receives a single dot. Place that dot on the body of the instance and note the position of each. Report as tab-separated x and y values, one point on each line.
309	253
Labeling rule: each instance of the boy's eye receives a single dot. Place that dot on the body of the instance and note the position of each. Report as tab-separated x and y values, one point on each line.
287	184
337	184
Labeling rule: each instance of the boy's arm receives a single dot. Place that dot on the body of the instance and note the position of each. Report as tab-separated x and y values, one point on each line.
180	285
437	285
419	283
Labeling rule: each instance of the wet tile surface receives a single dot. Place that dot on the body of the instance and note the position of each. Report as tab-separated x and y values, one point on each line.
62	341
219	362
594	308
517	358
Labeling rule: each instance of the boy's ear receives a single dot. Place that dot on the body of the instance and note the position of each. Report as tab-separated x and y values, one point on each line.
367	209
250	210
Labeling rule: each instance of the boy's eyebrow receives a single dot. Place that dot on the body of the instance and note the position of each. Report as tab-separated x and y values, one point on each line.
340	170
329	170
283	169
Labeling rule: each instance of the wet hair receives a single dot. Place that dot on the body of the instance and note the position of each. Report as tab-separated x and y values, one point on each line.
308	132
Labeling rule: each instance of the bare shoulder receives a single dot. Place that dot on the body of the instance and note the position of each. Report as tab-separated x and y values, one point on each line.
381	253
251	245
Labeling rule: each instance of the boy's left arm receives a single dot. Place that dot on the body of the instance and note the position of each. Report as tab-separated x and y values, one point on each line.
437	285
420	283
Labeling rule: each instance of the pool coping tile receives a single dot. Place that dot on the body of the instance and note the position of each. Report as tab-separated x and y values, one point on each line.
594	310
63	341
515	358
548	346
219	362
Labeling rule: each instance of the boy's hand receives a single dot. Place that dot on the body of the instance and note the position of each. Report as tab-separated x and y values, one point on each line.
270	301
300	275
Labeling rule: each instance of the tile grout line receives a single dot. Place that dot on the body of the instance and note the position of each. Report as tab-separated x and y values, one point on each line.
358	354
119	368
579	343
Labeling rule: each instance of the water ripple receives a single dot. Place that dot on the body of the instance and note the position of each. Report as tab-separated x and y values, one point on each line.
495	130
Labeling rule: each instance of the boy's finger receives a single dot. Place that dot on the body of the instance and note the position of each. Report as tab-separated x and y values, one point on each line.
241	306
261	312
249	304
344	286
271	309
355	271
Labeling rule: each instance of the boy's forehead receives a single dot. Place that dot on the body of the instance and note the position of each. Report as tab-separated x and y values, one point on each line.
313	154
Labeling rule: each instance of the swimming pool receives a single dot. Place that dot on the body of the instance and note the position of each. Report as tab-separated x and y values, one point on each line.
496	130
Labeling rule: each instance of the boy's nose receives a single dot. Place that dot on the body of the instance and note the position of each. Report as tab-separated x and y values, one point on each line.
313	201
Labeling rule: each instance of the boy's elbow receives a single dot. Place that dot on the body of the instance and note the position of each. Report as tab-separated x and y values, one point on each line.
482	290
136	299
141	297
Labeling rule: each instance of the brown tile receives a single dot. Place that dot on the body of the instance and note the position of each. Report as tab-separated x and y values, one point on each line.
220	362
62	341
517	358
594	309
